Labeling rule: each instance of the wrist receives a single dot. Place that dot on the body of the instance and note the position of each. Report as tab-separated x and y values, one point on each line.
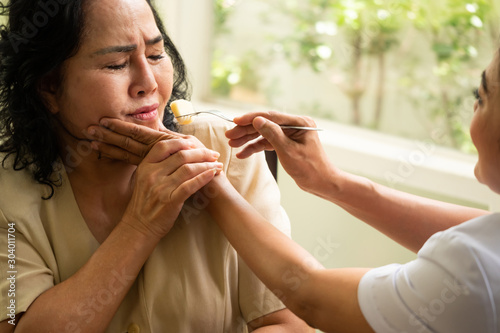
325	181
345	189
218	191
133	229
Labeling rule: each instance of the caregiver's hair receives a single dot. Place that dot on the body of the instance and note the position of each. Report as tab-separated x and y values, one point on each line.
38	38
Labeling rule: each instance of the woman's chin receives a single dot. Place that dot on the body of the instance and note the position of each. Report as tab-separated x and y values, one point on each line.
492	183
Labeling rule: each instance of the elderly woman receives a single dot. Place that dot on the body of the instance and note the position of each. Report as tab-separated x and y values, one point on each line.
91	244
452	286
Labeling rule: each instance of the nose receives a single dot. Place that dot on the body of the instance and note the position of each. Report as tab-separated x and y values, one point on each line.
143	81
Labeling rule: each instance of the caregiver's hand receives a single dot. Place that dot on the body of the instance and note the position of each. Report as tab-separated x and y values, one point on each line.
300	152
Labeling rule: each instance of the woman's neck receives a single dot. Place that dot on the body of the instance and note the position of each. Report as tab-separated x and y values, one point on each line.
102	190
86	168
102	187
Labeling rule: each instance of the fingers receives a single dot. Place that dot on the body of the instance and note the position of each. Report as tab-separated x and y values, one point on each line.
272	132
136	132
120	140
185	172
184	151
255	147
235	140
193	185
247	131
116	153
169	167
273	138
276	117
111	138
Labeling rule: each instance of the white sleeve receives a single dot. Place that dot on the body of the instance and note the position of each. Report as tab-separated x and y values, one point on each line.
443	290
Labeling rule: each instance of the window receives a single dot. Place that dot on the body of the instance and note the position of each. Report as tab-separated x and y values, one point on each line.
294	56
402	67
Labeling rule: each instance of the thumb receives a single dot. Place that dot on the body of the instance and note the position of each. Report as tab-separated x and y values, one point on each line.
271	131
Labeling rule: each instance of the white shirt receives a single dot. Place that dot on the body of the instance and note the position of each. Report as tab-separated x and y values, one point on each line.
453	285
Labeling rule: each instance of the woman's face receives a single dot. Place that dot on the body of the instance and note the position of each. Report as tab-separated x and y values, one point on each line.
121	69
485	127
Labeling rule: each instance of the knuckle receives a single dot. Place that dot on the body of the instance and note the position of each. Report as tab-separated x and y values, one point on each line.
189	169
208	154
99	135
161	145
310	122
111	127
272	113
126	142
181	156
126	157
135	131
193	140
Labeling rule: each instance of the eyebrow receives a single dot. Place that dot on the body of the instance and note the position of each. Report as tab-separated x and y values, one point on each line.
483	82
126	48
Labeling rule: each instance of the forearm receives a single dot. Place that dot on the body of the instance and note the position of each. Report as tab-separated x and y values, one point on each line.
292	273
408	219
283	328
280	321
254	238
87	301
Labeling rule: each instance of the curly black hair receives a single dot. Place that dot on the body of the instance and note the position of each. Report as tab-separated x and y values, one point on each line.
38	38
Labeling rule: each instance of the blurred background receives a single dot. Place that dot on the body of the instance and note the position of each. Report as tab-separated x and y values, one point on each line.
391	83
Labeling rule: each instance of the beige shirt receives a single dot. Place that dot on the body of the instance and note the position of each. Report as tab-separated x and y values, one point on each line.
193	281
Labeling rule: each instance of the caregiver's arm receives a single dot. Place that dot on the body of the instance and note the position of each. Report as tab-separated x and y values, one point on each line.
325	299
408	219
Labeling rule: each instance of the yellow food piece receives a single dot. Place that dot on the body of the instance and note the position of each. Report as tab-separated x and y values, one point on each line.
180	108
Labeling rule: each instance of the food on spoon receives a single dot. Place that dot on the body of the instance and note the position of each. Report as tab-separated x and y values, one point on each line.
180	108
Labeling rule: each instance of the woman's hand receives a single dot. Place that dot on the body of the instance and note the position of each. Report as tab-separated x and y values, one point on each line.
171	172
300	152
171	168
119	140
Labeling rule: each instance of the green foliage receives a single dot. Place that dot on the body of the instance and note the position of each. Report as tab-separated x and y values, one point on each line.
223	10
229	71
455	32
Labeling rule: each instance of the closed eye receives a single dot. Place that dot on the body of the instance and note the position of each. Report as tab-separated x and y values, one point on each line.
478	96
117	67
157	57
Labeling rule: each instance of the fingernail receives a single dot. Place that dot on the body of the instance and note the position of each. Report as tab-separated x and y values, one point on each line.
259	122
104	122
216	155
92	131
94	145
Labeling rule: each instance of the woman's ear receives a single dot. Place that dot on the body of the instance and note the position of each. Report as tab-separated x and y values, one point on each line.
47	88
